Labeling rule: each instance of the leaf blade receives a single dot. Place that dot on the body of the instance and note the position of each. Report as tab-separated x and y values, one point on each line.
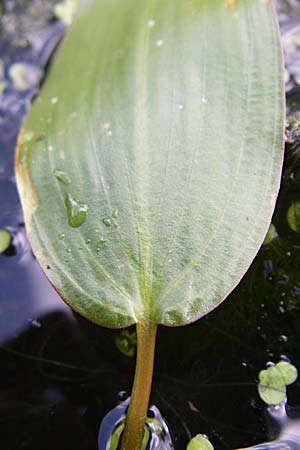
185	162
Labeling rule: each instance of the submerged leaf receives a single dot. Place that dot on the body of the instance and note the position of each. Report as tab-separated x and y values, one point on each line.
170	113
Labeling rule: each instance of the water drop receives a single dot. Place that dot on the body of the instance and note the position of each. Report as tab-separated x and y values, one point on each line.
151	23
180	107
107	222
62	176
270	364
76	211
28	135
61	236
53	100
69	250
285	358
50	148
159	42
283	338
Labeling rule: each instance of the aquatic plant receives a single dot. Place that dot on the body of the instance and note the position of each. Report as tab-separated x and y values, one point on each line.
149	166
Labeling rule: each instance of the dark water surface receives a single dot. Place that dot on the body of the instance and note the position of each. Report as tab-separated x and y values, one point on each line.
60	375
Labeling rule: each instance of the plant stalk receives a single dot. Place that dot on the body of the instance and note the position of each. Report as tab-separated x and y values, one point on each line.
139	402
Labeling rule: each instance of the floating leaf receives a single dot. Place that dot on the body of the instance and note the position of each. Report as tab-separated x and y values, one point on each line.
273	382
271	234
126	343
200	442
114	443
293	216
171	113
194	186
5	240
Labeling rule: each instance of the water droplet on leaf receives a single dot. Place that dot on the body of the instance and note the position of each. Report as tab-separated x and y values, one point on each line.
107	222
159	42
62	176
151	23
76	211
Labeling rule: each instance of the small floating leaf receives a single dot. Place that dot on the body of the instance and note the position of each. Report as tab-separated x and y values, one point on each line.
65	10
5	240
271	234
126	342
24	76
62	176
76	211
273	382
200	442
287	371
293	216
116	436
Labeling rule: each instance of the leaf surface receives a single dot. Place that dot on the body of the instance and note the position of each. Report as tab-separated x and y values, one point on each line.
149	166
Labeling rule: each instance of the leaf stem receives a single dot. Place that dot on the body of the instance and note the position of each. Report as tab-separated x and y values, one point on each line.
137	411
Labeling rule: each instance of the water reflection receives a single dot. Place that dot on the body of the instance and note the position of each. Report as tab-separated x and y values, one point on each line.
289	434
160	438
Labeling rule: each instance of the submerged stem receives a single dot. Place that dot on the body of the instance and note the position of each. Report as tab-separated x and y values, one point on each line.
137	411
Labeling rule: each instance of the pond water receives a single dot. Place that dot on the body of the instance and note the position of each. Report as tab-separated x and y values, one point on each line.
60	375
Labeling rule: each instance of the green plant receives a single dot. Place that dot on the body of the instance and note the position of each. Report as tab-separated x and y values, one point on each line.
5	240
149	166
199	442
273	382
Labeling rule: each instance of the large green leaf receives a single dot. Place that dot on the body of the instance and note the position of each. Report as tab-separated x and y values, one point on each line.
149	166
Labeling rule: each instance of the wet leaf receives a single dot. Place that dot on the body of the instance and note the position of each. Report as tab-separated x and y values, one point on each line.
170	113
